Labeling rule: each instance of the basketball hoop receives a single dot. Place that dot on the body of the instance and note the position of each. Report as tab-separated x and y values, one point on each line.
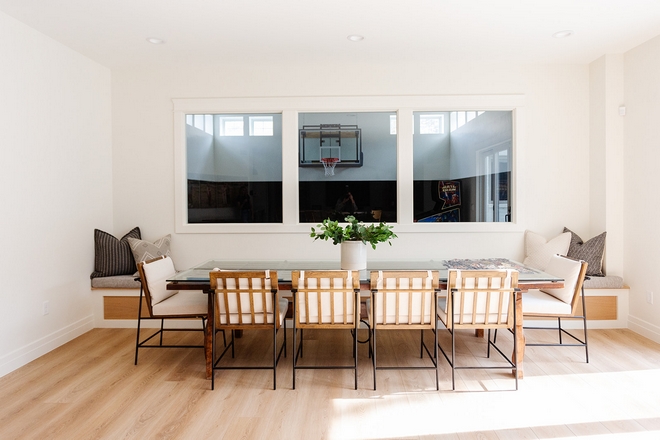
329	165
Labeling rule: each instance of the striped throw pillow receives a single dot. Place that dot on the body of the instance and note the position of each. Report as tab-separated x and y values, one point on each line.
113	256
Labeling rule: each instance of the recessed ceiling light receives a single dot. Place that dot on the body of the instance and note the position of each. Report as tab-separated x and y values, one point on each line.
355	37
563	34
155	40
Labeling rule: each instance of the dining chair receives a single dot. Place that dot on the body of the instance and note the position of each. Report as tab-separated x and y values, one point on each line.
404	300
165	304
325	300
247	300
479	299
565	303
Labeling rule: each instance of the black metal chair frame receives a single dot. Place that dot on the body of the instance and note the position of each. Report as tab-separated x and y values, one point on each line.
276	354
160	332
298	351
511	364
422	348
560	330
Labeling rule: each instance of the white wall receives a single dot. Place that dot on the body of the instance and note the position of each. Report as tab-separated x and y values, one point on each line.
554	126
55	188
640	201
606	158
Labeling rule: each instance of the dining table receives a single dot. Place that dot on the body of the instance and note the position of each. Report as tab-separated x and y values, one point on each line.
198	278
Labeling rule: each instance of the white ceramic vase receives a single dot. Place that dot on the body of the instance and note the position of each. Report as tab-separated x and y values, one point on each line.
353	255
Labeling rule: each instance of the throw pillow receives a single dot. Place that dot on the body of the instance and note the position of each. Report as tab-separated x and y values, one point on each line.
113	256
539	251
144	250
590	251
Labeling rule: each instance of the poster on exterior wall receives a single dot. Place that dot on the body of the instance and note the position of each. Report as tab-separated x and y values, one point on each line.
453	215
449	192
448	203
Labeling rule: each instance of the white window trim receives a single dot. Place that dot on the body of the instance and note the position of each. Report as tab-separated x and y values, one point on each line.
289	108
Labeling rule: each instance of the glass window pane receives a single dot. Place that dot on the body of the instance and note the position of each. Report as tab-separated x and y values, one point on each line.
461	118
261	125
199	122
364	181
208	124
234	179
231	125
431	124
464	175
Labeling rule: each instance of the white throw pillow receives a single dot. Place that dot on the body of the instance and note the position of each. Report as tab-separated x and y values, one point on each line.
539	251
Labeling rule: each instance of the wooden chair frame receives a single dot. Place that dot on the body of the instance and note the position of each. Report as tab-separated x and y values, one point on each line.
379	296
228	292
144	292
301	291
508	323
578	299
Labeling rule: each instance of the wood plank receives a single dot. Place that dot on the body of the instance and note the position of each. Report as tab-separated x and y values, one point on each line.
600	307
123	307
90	388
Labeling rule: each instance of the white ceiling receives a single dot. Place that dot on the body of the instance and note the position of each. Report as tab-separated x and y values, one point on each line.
114	32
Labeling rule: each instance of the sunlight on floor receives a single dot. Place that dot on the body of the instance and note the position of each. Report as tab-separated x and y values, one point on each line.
542	401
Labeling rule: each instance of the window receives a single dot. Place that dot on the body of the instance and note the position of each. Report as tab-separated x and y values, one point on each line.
365	188
231	126
464	175
232	178
440	166
201	122
431	124
261	125
459	119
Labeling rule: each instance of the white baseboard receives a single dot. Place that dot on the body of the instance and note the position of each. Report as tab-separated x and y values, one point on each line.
40	347
644	328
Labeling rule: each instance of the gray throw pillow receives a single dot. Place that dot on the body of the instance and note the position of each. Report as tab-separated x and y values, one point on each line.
113	256
590	251
145	250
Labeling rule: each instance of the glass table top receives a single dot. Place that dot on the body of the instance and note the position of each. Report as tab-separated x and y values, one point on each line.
200	273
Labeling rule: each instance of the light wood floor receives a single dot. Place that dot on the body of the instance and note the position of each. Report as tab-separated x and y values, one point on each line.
90	389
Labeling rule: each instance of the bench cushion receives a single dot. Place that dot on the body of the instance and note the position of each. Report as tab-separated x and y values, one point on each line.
115	282
606	282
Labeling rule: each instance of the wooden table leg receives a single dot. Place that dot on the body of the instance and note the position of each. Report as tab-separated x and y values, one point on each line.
520	336
208	337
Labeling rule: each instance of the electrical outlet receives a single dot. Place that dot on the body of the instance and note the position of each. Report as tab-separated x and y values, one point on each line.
45	308
649	297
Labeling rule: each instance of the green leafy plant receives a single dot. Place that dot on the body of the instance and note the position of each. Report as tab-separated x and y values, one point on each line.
353	231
